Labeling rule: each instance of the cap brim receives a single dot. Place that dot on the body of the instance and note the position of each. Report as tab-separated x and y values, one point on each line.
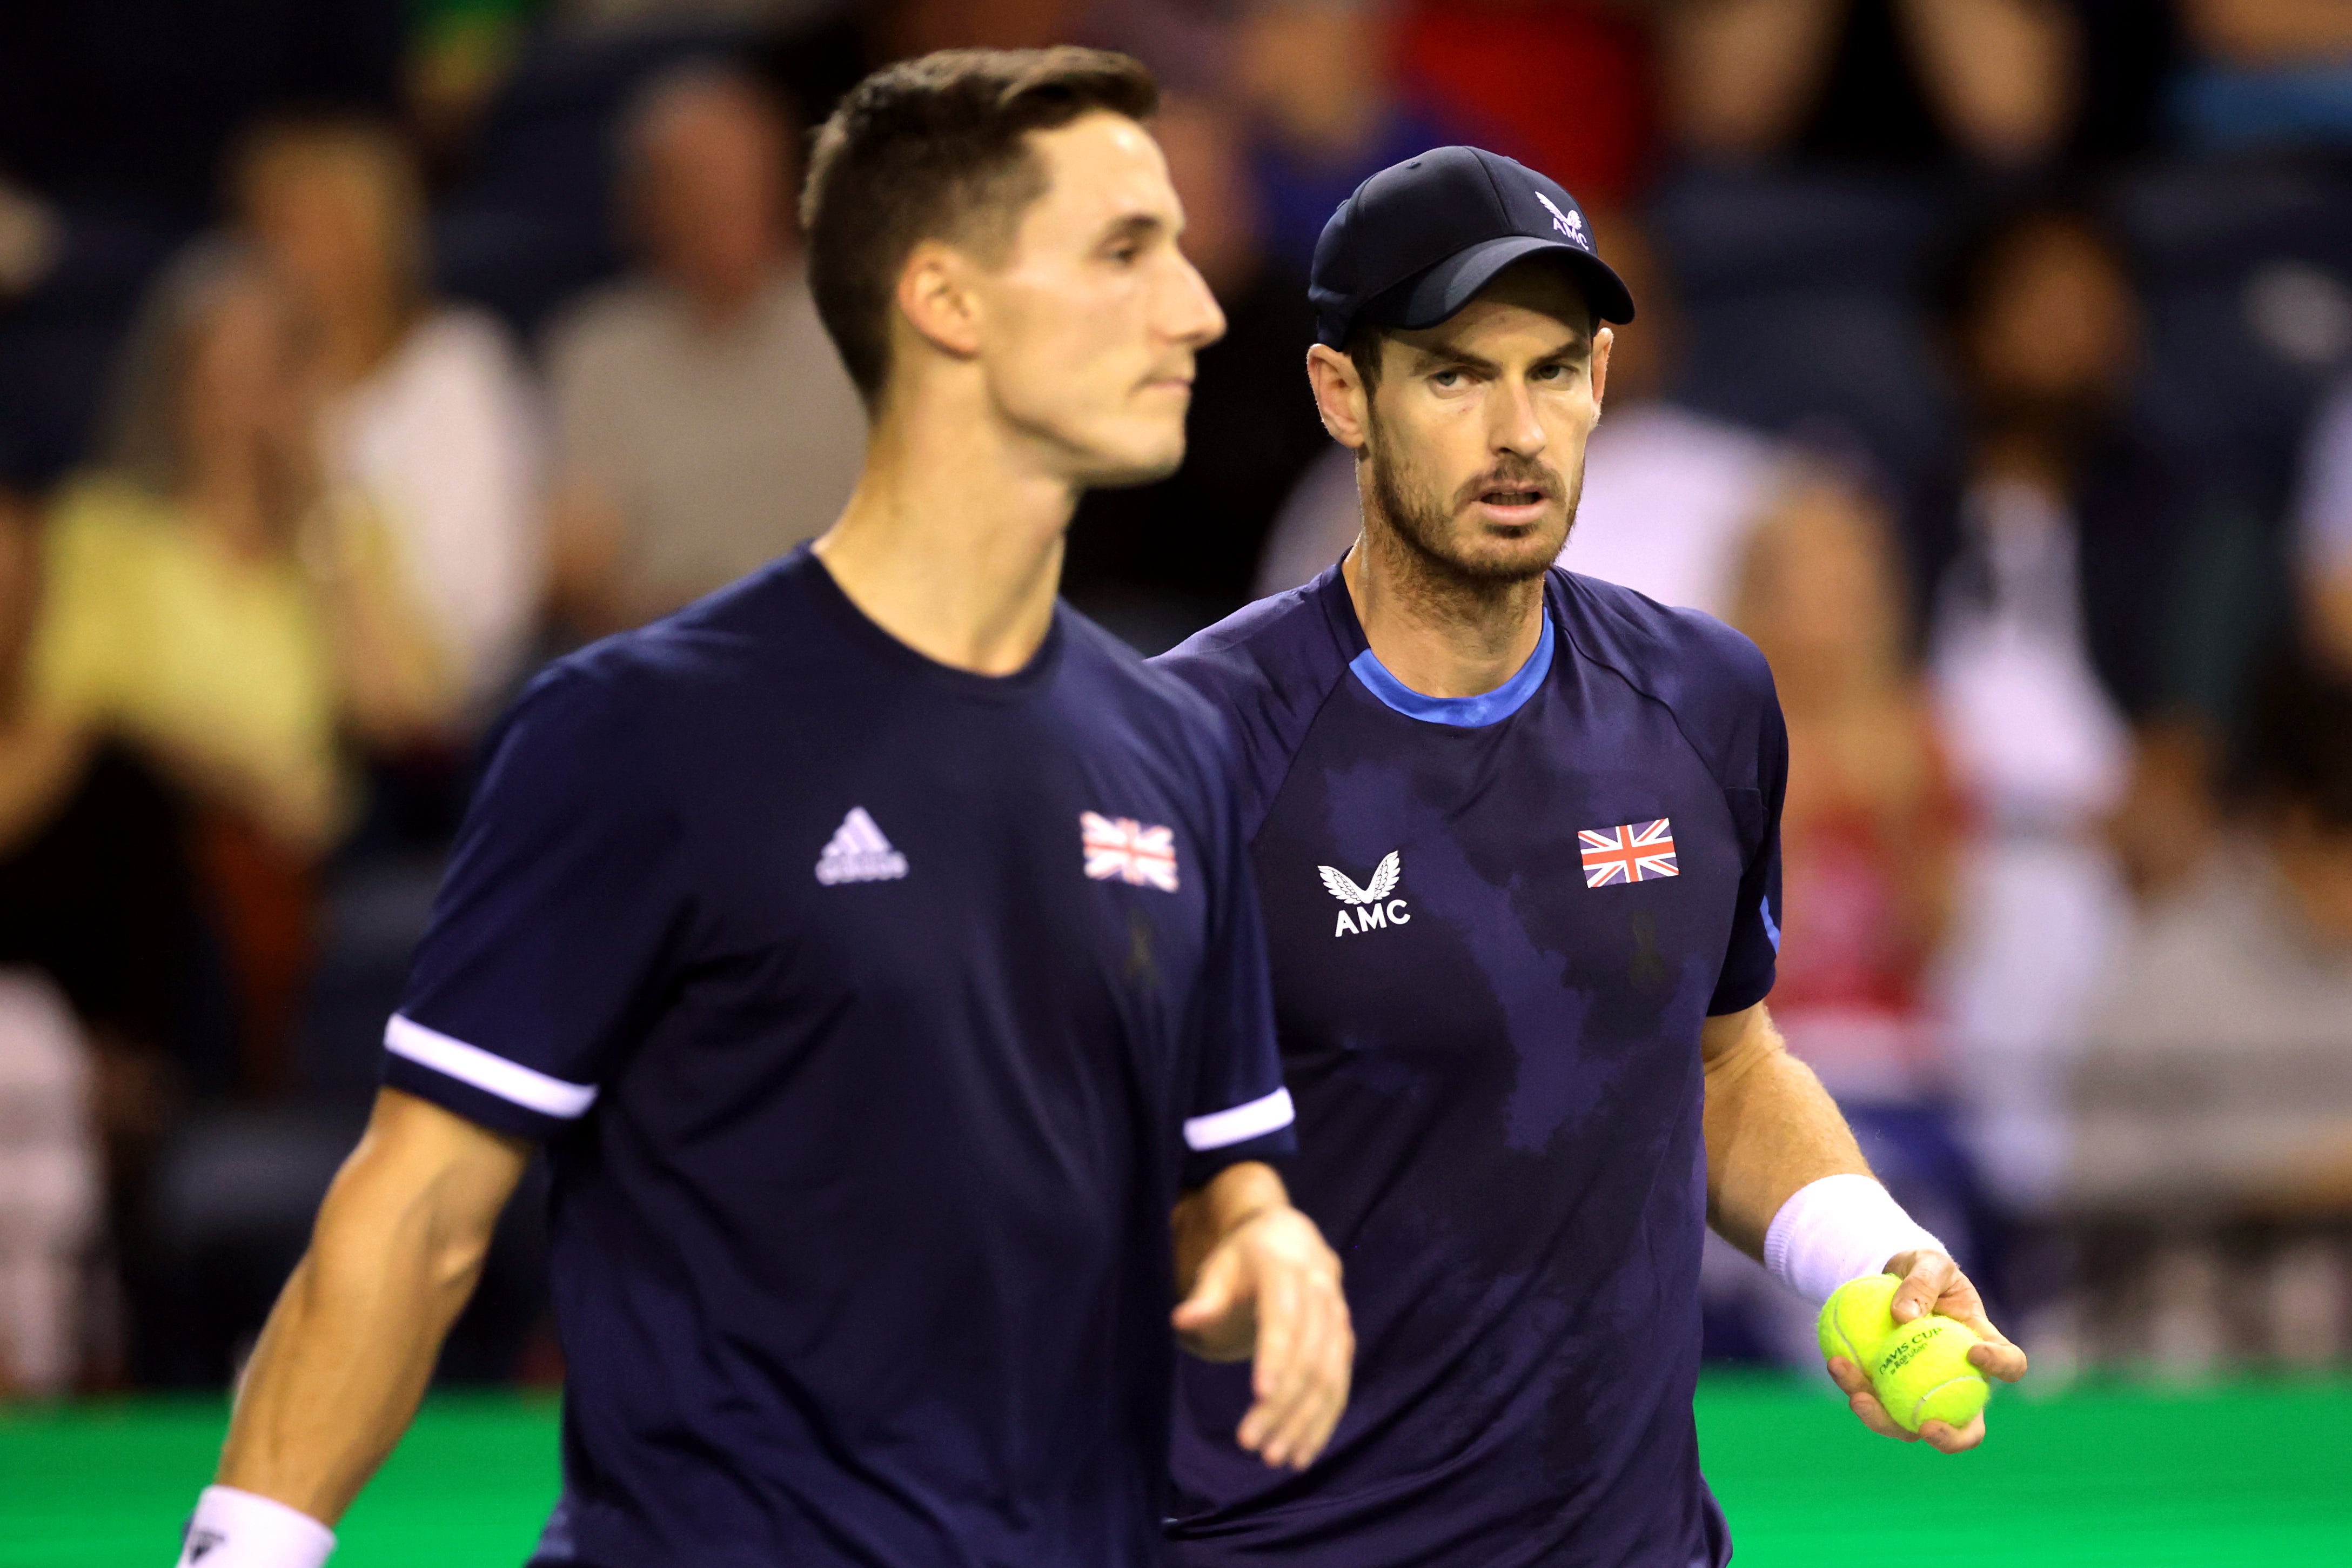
1442	290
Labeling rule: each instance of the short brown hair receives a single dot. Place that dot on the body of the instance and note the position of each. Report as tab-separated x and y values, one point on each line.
933	149
1366	342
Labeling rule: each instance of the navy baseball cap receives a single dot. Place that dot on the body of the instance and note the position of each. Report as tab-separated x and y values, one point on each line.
1418	240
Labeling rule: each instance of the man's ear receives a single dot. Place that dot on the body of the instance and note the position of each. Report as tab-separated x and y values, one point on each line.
1603	341
1339	396
936	297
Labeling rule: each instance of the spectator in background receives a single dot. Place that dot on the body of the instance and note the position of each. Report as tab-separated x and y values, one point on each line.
2268	71
32	237
428	410
49	1188
2050	563
2256	953
2323	523
50	1161
1500	70
1317	77
200	632
98	903
1992	81
1871	830
1161	561
1669	493
2214	1088
179	647
705	424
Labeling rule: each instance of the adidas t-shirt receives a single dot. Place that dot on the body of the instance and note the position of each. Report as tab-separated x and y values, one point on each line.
1497	924
873	1013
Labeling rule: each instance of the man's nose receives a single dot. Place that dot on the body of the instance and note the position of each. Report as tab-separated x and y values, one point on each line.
1516	426
1190	312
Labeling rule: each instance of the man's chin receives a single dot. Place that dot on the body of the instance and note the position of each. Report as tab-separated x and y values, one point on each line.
1494	558
1145	463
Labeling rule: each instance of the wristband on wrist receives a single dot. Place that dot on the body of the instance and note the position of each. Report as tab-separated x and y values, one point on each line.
1839	1228
232	1529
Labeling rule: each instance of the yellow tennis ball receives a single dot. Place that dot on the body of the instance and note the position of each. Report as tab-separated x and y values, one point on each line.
1857	1319
1923	1374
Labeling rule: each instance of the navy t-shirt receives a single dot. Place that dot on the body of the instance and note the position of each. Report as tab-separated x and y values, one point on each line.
873	1013
1496	925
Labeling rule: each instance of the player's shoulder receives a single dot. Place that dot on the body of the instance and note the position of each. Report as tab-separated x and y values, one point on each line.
1267	668
1655	644
1279	651
1712	679
719	650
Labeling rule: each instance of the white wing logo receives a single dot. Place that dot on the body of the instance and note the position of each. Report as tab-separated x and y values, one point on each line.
1568	223
1384	881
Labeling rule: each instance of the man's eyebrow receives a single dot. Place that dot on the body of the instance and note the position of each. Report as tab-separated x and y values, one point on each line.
1577	345
1444	356
1133	225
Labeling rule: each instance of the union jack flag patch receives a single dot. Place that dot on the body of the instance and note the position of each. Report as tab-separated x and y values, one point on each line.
1637	852
1123	849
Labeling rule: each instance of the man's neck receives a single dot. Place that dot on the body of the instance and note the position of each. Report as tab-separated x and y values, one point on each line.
1441	636
952	542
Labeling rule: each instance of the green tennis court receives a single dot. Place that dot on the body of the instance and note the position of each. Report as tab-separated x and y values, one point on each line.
2246	1474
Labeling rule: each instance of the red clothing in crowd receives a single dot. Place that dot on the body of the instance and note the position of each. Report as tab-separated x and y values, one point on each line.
1564	88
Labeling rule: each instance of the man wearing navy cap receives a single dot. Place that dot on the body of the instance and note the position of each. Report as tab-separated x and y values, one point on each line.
1517	841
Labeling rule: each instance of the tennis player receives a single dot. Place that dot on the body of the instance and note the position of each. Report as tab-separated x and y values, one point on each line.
873	949
1516	836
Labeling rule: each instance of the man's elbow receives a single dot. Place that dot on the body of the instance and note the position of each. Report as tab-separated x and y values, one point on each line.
401	1222
1734	1046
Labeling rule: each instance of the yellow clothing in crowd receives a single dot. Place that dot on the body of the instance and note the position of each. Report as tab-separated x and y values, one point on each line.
154	630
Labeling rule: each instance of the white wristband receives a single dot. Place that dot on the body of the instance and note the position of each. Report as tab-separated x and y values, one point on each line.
232	1529
1836	1229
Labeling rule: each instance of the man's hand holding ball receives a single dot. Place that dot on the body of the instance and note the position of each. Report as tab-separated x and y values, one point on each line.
1911	1343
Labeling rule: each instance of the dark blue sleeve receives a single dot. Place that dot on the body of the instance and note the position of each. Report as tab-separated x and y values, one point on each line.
1239	1108
1755	799
553	924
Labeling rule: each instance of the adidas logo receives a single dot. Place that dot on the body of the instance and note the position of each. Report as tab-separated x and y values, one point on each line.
858	853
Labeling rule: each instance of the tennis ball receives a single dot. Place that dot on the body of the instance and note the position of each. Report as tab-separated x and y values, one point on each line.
1856	1322
1923	1374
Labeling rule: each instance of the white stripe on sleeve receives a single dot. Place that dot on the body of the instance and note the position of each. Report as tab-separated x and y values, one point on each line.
1242	1122
511	1081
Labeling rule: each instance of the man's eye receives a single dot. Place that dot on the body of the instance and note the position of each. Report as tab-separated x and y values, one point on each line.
1553	373
1446	378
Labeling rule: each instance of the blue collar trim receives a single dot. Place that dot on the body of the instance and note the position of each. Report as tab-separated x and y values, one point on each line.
1463	713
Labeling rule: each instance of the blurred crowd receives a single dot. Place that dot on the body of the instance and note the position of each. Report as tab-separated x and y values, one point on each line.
1993	372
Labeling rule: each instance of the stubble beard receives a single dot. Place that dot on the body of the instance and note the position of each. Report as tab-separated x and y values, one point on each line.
1423	523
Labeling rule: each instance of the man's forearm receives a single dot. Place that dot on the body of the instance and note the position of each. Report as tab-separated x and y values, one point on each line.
1771	1129
352	1343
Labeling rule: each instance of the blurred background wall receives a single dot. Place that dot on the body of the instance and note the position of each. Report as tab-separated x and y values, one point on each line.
1993	371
